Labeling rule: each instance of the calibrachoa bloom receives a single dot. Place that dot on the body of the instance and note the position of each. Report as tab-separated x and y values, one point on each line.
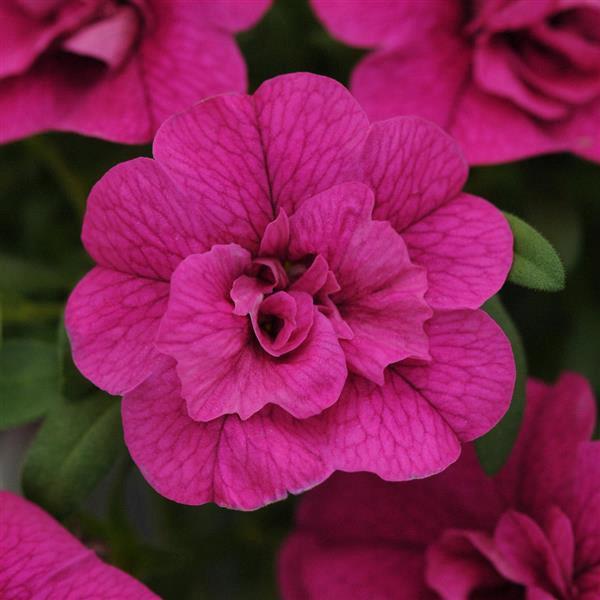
531	531
42	560
115	69
508	78
286	290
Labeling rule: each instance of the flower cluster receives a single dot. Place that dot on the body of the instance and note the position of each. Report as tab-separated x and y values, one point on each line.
533	529
286	290
508	79
115	69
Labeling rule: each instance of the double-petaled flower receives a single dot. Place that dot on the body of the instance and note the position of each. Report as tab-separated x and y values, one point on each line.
287	290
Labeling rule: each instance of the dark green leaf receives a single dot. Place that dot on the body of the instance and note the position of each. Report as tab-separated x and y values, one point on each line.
76	446
73	384
28	381
494	447
24	276
536	264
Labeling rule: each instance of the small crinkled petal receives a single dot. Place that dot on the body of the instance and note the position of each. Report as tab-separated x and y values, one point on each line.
295	311
312	132
391	430
310	570
137	222
557	420
234	463
213	151
275	239
471	376
381	295
384	22
466	247
413	168
41	559
223	370
112	319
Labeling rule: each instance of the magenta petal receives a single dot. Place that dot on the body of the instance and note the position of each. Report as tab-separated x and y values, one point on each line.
276	236
296	312
413	167
437	67
41	559
496	70
234	463
362	507
391	430
137	222
557	420
309	570
456	567
381	295
108	40
312	132
213	151
525	556
384	22
112	319
471	376
493	130
221	368
466	247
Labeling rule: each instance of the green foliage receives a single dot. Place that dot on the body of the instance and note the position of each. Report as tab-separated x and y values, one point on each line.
28	381
536	264
76	446
494	447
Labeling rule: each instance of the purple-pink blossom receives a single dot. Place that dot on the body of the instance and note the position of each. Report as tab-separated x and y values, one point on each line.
507	78
115	69
40	559
531	531
286	290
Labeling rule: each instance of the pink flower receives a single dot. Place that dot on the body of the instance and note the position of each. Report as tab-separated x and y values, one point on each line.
115	69
532	531
42	560
286	290
507	78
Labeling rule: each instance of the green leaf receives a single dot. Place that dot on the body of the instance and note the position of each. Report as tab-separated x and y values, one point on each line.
494	447
73	385
76	446
536	264
28	381
20	275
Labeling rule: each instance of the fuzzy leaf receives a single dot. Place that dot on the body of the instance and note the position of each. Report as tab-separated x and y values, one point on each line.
76	446
494	448
536	264
28	381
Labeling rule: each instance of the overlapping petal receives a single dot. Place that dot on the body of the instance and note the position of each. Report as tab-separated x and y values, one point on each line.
381	295
234	463
41	559
112	319
221	368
